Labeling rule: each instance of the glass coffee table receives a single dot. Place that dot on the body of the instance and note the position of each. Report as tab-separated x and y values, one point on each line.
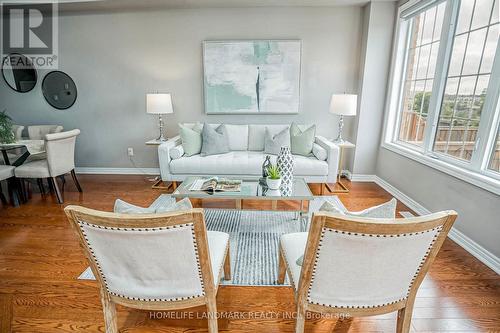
251	189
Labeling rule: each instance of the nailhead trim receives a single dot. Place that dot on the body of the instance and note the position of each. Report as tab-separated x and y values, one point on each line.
439	229
82	223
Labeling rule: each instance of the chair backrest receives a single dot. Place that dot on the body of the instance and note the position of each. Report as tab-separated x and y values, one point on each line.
148	258
18	131
360	263
60	149
40	131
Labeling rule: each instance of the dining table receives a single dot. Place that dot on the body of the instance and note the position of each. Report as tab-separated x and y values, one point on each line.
15	154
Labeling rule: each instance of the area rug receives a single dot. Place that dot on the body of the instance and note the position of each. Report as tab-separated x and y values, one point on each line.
254	240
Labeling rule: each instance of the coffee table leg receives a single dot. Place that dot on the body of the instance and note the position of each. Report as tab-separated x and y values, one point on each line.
238	204
274	204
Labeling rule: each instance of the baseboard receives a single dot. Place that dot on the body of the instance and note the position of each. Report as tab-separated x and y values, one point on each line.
485	256
118	171
355	177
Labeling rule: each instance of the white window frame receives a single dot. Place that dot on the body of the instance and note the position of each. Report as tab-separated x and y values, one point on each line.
475	171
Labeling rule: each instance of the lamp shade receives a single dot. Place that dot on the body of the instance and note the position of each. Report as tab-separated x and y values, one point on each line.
344	104
159	103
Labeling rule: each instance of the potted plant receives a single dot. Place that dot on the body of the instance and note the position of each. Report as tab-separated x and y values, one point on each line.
6	133
273	179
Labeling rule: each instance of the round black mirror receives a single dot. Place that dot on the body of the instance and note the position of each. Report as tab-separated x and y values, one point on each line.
59	90
18	72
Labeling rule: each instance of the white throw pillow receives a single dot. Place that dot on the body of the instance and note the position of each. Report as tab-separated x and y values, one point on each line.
123	207
273	143
169	206
184	204
386	210
320	152
176	152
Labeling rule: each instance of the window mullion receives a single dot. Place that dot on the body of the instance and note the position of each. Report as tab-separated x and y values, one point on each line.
441	71
489	118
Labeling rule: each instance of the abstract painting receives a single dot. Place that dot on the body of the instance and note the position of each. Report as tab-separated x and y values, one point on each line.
255	76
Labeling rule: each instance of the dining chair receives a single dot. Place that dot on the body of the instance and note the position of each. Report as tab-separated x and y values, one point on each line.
6	172
354	267
158	262
18	131
60	148
39	132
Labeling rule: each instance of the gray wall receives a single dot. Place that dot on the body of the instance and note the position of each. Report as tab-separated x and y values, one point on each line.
378	30
478	209
116	58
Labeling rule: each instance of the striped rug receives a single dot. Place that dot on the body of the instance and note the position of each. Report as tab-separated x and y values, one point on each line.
254	239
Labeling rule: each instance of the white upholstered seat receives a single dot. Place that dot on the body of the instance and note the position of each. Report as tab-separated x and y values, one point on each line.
293	246
6	171
242	163
35	169
218	245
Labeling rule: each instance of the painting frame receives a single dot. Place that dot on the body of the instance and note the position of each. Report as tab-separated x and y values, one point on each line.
297	84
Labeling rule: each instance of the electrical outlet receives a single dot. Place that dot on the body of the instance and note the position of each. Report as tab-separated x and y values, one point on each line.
130	151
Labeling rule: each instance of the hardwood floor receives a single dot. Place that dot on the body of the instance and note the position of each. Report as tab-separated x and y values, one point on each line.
40	260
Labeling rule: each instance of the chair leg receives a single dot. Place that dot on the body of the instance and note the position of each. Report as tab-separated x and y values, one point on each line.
73	174
109	311
227	266
404	319
301	317
212	315
58	192
281	268
19	188
2	196
40	186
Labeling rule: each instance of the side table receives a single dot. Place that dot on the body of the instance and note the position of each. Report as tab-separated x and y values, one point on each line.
343	146
158	182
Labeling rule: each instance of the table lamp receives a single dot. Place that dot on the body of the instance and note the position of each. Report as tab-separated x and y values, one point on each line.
159	104
343	105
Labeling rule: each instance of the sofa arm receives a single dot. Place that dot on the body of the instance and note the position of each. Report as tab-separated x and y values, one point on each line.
332	159
164	156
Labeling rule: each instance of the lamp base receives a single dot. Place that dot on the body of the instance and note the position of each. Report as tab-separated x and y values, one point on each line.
161	137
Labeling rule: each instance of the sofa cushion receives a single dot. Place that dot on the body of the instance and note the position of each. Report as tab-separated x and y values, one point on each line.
176	152
191	138
273	143
237	136
320	152
256	135
215	141
302	140
242	163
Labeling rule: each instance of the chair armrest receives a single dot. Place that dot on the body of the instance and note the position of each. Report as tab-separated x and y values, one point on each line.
332	159
164	156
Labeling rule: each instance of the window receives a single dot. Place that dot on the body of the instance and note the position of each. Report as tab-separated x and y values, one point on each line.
495	154
422	56
443	99
469	74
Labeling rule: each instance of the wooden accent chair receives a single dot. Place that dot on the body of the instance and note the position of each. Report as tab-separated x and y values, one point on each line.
60	161
153	261
361	267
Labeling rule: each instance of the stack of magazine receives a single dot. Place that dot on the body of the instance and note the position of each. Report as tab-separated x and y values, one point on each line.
215	184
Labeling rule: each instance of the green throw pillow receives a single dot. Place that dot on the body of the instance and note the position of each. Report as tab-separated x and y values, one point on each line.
191	139
302	141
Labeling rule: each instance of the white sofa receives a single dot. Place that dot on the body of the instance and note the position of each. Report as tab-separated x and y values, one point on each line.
246	157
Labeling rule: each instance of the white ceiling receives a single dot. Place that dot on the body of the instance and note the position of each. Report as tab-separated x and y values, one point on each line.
106	5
